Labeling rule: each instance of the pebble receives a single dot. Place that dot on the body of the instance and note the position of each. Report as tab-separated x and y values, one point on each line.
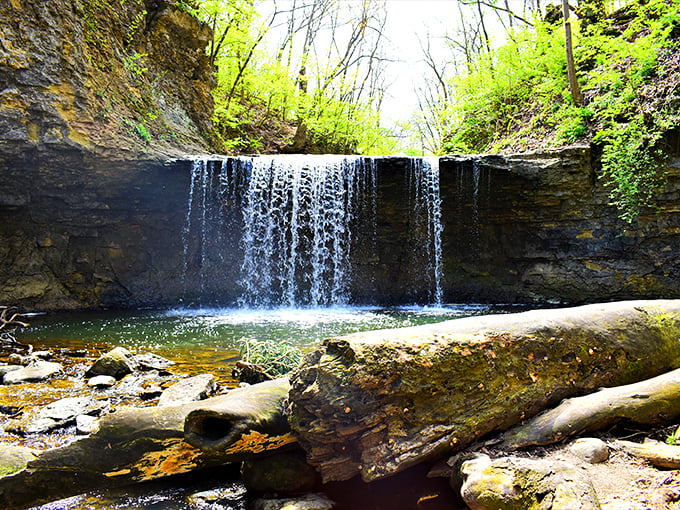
101	381
590	449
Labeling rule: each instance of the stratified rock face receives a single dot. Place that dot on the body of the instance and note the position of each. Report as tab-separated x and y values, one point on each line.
538	226
94	97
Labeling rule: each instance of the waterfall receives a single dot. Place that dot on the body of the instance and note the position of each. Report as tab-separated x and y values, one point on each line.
296	226
426	225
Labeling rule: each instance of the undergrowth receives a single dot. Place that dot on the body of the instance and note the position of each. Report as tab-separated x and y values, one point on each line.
628	67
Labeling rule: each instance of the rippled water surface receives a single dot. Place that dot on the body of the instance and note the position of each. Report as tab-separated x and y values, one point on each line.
209	338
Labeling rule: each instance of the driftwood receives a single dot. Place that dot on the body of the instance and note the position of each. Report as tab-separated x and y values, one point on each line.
378	402
651	402
10	319
136	445
660	454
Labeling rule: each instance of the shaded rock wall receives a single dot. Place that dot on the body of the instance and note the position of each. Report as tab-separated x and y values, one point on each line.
89	232
540	228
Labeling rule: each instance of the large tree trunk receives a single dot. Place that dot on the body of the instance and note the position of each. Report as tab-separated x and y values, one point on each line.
375	403
136	445
650	402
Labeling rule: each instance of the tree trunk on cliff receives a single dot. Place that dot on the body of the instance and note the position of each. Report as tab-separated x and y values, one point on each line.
375	403
135	445
574	87
651	402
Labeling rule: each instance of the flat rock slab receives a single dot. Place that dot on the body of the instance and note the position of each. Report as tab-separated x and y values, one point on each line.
36	371
194	388
60	413
375	403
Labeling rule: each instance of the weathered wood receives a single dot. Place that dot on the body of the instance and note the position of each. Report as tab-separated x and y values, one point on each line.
650	402
660	454
134	445
375	403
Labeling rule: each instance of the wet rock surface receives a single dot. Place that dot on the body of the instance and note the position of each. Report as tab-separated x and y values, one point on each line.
36	371
116	363
194	388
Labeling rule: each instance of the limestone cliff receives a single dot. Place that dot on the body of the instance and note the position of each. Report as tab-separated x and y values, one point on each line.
114	79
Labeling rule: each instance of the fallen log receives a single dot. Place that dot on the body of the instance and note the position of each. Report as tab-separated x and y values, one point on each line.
659	454
651	402
140	444
378	402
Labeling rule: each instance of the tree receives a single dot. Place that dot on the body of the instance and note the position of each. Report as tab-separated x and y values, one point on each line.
574	87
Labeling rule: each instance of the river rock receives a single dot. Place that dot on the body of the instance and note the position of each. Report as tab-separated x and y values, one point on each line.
4	369
61	413
283	473
198	387
590	449
515	483
36	371
117	363
151	361
14	458
86	424
18	359
101	381
307	502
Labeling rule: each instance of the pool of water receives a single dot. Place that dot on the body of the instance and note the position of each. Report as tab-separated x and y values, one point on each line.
209	339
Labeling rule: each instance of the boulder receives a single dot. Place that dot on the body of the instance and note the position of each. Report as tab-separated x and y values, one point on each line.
116	363
194	388
375	403
514	483
36	371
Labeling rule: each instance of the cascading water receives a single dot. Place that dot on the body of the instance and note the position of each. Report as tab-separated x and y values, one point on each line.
298	215
299	220
426	225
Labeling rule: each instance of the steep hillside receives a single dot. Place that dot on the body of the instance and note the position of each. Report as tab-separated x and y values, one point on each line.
108	78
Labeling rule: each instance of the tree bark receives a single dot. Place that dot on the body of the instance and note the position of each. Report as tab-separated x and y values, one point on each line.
651	402
574	87
378	402
135	445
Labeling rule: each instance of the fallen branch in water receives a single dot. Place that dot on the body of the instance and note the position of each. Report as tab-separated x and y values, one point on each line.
10	319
